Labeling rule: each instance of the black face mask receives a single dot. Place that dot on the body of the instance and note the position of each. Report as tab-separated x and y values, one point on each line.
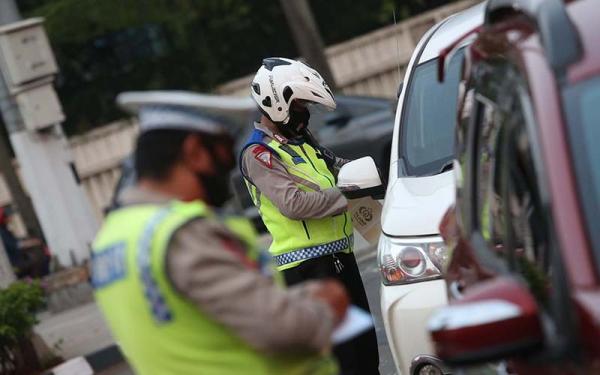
298	122
216	186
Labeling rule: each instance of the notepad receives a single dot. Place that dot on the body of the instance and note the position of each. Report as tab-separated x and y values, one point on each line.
356	322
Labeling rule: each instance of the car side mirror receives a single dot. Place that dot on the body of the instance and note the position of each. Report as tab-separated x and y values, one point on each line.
360	178
496	319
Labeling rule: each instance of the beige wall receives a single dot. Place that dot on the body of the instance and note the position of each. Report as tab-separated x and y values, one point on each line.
371	65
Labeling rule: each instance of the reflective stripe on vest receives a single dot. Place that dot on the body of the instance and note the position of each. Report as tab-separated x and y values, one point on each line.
297	240
314	252
159	331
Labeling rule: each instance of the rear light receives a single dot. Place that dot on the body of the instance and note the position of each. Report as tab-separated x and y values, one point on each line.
403	262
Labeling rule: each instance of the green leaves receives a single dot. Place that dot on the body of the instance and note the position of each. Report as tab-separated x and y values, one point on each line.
18	305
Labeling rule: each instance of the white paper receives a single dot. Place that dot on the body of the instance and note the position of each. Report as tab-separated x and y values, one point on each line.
75	366
355	322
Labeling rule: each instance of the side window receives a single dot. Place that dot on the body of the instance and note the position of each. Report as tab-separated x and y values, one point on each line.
508	212
528	231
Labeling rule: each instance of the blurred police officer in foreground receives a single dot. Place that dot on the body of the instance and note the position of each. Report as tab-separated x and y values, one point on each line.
292	180
177	287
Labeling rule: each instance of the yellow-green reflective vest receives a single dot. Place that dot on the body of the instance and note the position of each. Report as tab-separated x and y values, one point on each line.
297	240
159	331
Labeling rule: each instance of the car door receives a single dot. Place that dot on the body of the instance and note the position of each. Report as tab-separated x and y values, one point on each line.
504	208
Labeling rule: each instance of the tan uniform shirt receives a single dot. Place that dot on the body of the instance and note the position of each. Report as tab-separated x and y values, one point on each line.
280	186
207	265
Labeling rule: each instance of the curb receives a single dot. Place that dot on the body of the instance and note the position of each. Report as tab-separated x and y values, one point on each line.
93	363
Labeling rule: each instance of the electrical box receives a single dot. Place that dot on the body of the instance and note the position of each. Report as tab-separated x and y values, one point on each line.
25	53
40	107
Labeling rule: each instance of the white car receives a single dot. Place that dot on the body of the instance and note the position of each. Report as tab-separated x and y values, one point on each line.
411	253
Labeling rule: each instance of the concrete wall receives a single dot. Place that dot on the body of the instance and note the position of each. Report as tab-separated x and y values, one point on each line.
370	65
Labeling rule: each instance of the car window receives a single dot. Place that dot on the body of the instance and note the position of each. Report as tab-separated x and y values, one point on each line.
508	212
528	231
510	224
583	110
429	118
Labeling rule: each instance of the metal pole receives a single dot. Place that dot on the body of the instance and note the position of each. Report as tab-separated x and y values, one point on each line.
46	165
8	13
307	37
12	119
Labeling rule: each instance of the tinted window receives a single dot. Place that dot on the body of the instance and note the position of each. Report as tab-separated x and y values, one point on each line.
583	110
429	118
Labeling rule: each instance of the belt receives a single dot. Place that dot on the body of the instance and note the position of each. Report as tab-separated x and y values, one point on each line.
314	251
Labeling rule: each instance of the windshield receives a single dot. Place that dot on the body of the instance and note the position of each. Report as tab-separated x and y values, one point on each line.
582	104
428	119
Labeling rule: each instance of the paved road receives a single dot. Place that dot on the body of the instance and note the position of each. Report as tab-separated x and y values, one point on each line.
370	275
367	262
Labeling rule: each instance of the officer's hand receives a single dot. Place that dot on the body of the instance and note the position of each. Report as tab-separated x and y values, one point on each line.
333	293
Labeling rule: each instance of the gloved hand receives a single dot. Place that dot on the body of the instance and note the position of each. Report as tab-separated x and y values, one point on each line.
329	158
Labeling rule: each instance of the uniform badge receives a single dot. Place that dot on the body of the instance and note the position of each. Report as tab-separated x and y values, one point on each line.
263	155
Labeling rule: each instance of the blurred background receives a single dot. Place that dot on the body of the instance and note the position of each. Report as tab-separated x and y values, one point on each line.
106	47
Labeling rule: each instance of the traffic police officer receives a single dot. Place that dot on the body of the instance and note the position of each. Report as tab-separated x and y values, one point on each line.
176	286
292	181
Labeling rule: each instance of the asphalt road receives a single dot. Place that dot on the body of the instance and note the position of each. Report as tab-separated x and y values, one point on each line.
367	263
370	274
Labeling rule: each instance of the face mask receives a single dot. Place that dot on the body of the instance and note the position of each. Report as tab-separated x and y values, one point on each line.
216	186
298	122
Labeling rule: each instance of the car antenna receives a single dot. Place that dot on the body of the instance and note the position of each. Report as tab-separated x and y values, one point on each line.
397	42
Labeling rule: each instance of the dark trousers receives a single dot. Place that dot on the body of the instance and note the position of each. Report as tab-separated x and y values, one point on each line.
360	355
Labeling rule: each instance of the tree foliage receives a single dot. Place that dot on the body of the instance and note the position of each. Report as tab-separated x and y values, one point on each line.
109	46
18	305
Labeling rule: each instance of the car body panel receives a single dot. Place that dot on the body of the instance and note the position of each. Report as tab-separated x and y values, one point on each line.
414	205
584	14
575	275
448	31
561	179
405	310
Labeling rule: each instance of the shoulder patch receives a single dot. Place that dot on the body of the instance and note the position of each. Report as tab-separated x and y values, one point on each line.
263	155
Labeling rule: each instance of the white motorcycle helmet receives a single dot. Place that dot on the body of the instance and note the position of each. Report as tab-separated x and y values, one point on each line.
280	81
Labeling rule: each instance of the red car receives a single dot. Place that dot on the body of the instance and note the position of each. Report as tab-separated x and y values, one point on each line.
524	275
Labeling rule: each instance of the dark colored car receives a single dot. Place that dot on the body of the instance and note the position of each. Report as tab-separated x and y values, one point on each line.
360	126
524	277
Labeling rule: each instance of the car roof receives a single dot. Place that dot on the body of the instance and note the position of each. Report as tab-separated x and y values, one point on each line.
585	15
451	29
